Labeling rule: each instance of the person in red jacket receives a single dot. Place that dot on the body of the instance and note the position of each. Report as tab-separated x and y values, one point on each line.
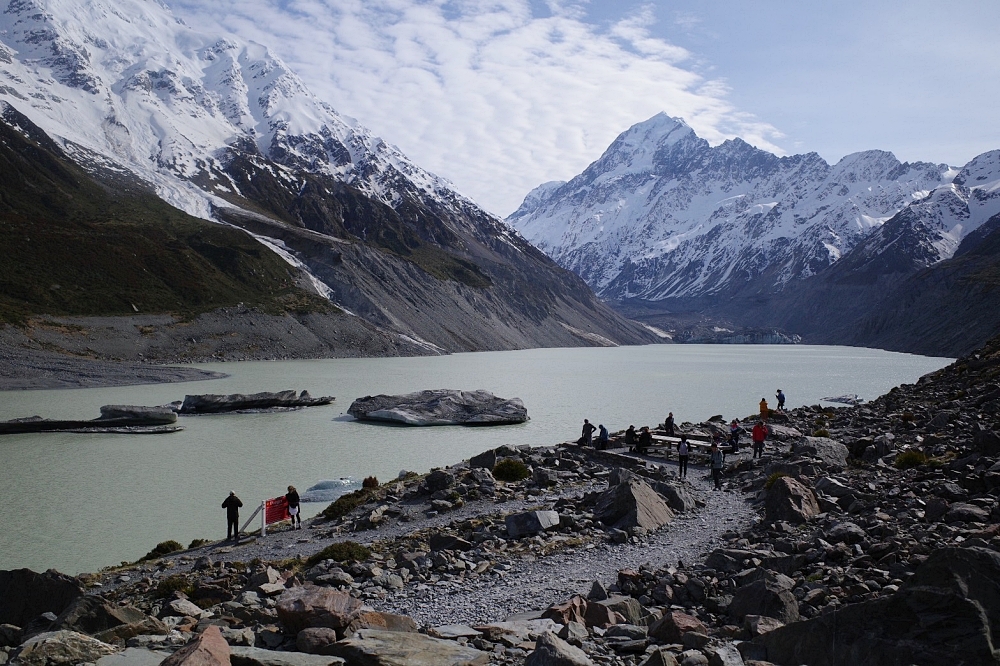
759	434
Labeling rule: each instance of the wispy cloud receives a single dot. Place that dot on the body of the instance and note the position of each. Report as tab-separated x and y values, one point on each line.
486	93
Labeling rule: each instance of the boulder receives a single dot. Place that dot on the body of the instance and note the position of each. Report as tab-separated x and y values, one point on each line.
315	606
574	610
966	513
315	640
11	635
550	650
673	625
769	596
449	542
782	433
251	656
371	647
761	624
723	655
849	533
90	615
632	503
208	649
439	480
214	404
832	487
55	648
660	657
147	626
485	460
134	656
383	621
678	497
440	407
531	522
830	451
789	500
947	613
24	594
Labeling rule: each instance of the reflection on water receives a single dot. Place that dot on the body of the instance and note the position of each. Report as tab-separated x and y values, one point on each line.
81	502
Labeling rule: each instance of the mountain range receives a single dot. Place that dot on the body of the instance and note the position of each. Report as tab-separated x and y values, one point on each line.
220	129
680	233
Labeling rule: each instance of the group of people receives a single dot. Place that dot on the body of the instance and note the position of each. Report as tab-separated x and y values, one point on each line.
233	504
642	440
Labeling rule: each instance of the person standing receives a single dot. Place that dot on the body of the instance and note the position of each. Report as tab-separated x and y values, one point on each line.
716	461
758	434
630	437
292	497
763	409
781	400
602	437
232	506
588	433
668	425
734	435
682	457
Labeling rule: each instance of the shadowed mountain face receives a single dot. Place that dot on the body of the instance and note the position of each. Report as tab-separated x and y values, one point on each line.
697	240
221	129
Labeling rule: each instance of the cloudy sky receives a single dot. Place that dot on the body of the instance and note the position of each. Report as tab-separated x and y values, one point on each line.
501	95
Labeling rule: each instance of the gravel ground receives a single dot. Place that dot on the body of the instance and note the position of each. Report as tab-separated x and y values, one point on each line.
534	584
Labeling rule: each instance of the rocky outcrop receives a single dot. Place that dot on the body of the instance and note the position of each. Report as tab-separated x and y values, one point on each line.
252	656
550	650
214	404
790	500
946	614
440	407
114	418
56	648
531	522
315	606
24	594
832	453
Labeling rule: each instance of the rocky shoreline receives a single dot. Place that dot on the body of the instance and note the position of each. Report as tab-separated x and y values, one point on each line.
865	535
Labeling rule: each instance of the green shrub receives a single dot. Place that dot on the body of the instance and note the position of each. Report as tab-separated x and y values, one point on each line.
197	543
911	458
344	504
821	432
343	551
510	469
172	584
370	482
162	548
771	479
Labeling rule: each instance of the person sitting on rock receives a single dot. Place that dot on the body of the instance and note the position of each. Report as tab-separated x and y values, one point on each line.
645	440
668	425
763	409
630	438
602	437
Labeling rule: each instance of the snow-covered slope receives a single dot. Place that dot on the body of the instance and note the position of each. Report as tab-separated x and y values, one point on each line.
223	130
126	80
662	214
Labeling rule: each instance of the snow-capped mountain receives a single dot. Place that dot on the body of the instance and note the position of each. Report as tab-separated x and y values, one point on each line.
223	130
663	215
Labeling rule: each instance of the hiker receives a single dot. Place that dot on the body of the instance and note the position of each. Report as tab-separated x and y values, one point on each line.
682	457
602	437
763	409
232	506
781	400
717	443
588	434
717	462
630	437
645	439
292	497
734	435
758	434
668	425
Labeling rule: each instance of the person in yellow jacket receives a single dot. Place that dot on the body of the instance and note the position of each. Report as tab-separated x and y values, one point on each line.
763	409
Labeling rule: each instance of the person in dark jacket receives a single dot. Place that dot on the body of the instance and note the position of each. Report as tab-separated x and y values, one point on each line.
682	457
717	461
668	425
588	433
292	497
232	506
630	437
603	437
645	440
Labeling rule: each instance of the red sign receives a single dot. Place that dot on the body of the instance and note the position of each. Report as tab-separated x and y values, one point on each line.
275	510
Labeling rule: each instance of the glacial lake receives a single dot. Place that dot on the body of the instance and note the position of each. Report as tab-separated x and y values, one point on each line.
79	502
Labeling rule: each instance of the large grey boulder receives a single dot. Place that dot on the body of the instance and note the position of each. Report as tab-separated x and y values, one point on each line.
830	451
213	403
134	657
678	497
550	650
24	594
530	522
789	500
947	613
252	656
770	595
313	606
371	647
632	503
440	407
208	649
54	648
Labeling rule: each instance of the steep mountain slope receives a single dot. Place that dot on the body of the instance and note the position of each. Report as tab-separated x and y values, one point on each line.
663	215
221	129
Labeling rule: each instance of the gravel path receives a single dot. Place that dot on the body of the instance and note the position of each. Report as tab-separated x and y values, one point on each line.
537	583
